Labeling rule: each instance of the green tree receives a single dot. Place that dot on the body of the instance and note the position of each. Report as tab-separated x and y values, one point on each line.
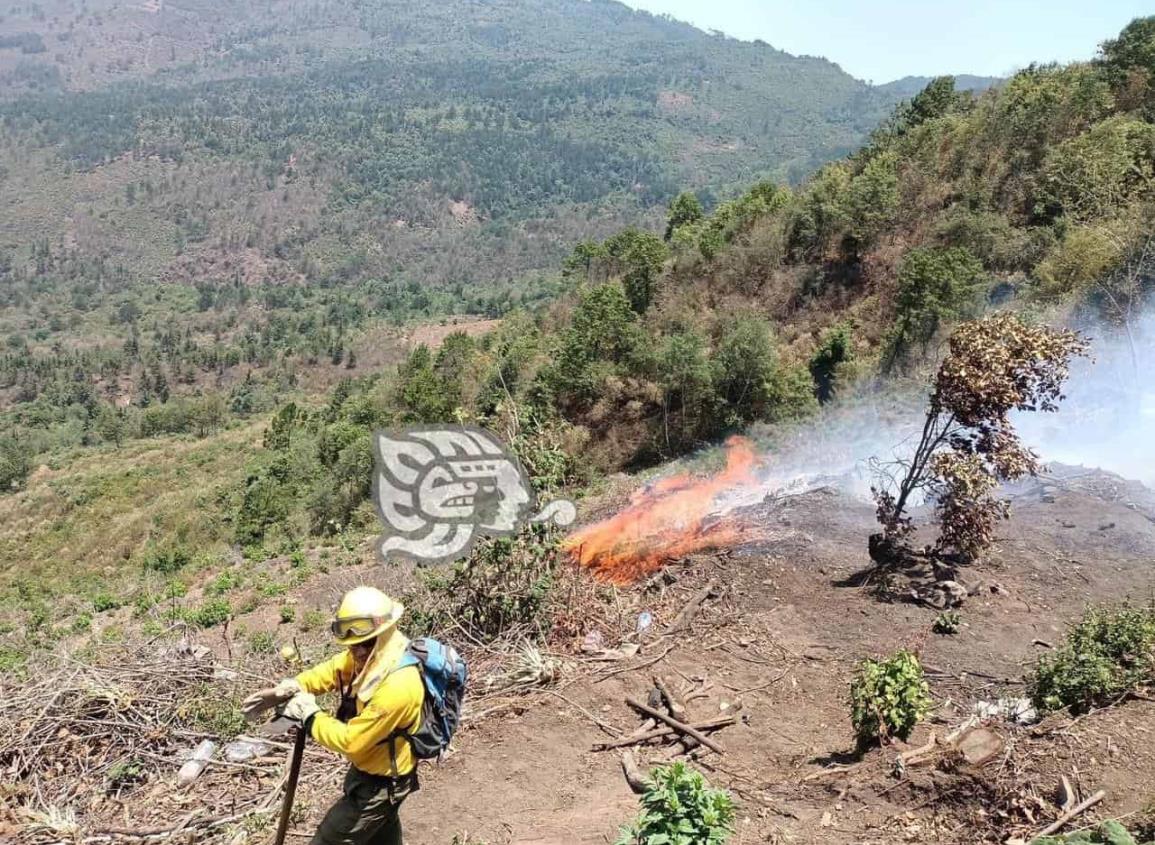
643	260
1094	174
821	211
835	350
1132	51
601	337
112	425
745	370
421	391
279	434
872	198
15	463
687	388
934	285
937	99
685	209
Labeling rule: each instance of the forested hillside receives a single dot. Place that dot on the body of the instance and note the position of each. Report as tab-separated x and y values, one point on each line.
1036	196
205	200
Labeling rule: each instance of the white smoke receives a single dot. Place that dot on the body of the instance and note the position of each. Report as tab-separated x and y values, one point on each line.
1107	420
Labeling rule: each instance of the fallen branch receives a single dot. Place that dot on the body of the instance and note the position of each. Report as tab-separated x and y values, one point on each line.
832	770
673	702
633	773
1077	810
650	662
681	727
687	614
908	757
605	726
658	733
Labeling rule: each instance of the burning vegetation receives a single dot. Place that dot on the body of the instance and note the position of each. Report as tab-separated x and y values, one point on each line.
668	519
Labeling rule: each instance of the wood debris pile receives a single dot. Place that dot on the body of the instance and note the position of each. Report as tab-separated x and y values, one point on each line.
84	739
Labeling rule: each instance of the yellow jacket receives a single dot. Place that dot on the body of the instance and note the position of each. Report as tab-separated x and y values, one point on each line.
388	698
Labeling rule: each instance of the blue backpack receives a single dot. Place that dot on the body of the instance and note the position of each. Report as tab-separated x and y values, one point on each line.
443	674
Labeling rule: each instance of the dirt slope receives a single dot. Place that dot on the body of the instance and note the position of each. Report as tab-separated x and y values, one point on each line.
793	623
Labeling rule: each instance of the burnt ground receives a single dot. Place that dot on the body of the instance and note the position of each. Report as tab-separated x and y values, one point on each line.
784	640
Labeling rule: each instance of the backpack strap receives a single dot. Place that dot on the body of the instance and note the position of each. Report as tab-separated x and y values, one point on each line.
407	659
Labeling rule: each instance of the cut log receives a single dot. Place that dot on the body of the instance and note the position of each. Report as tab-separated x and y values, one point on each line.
687	614
681	727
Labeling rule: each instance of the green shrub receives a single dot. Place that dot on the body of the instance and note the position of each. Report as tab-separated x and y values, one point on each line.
102	602
209	711
288	613
835	350
504	583
125	773
1108	653
11	659
272	589
888	698
1085	255
15	463
167	559
680	808
313	620
210	614
261	642
948	622
1109	833
226	582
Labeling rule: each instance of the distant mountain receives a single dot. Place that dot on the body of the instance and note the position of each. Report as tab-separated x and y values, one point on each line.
457	143
219	184
908	86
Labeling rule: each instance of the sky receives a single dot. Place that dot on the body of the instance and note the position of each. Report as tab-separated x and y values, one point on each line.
883	40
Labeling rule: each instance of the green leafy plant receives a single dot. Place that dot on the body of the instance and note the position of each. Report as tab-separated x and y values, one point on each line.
261	642
210	614
312	620
1108	653
167	559
103	601
125	773
947	622
1109	833
504	583
888	698
226	582
288	613
680	807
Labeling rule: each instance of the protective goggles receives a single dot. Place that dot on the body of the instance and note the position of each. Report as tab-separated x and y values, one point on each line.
356	626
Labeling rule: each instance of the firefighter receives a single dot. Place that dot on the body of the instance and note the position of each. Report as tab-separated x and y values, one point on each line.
380	705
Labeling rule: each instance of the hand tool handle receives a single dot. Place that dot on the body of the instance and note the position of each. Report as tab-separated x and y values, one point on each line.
291	785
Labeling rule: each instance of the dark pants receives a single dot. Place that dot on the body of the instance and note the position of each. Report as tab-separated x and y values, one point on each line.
367	813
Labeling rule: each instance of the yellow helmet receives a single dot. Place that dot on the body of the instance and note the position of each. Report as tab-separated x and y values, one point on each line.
365	613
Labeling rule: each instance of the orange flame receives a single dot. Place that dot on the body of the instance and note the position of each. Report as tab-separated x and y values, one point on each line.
666	520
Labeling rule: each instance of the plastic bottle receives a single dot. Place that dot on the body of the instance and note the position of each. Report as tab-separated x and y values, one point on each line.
191	770
244	749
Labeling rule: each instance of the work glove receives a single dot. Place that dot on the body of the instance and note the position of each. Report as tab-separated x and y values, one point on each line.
301	707
262	700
